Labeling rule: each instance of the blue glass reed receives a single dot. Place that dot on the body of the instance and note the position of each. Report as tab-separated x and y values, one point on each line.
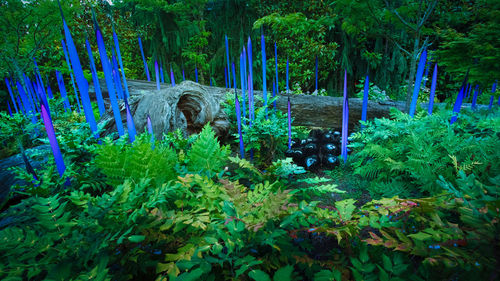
144	60
433	88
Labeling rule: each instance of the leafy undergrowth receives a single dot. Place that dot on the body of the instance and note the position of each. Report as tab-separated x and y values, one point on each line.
184	209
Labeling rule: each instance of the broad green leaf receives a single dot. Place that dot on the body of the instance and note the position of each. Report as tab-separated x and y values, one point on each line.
387	263
259	275
284	274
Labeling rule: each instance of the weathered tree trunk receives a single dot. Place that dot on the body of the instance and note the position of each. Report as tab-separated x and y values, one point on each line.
189	106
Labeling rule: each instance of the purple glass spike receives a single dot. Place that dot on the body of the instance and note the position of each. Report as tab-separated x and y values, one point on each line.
144	60
238	120
366	91
225	76
108	75
161	73
264	78
433	88
234	75
53	141
49	91
80	79
287	88
250	82
211	82
458	104
469	88
196	74
130	124
150	129
289	114
157	76
345	120
21	106
276	65
418	82
9	88
474	97
33	96
242	78
38	77
172	78
491	102
116	76
316	75
274	95
62	90
8	107
251	105
426	71
119	57
42	96
27	107
41	90
183	76
228	81
245	75
494	87
70	73
95	79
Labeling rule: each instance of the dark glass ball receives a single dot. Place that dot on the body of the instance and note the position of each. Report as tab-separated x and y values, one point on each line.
329	148
328	138
311	140
298	156
310	148
312	162
330	161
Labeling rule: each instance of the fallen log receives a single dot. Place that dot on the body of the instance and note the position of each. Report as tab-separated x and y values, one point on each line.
189	106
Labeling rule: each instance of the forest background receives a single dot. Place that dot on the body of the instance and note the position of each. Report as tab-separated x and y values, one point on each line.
381	38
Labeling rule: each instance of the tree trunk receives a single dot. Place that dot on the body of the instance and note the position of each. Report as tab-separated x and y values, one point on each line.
189	106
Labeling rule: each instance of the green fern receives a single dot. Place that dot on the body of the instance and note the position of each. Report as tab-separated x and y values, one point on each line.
120	162
392	154
206	154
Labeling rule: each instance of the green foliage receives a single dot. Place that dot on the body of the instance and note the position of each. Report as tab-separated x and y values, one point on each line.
301	39
135	161
16	132
406	156
474	39
206	154
266	135
374	92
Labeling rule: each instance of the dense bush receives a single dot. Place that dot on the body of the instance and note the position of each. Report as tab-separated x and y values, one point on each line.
182	209
407	157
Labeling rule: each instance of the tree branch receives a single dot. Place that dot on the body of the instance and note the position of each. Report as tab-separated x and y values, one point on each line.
403	21
427	13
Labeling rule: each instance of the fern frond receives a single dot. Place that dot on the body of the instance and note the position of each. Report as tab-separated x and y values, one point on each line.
206	154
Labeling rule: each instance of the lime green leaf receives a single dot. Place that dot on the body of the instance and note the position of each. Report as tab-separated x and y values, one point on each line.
420	236
136	238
